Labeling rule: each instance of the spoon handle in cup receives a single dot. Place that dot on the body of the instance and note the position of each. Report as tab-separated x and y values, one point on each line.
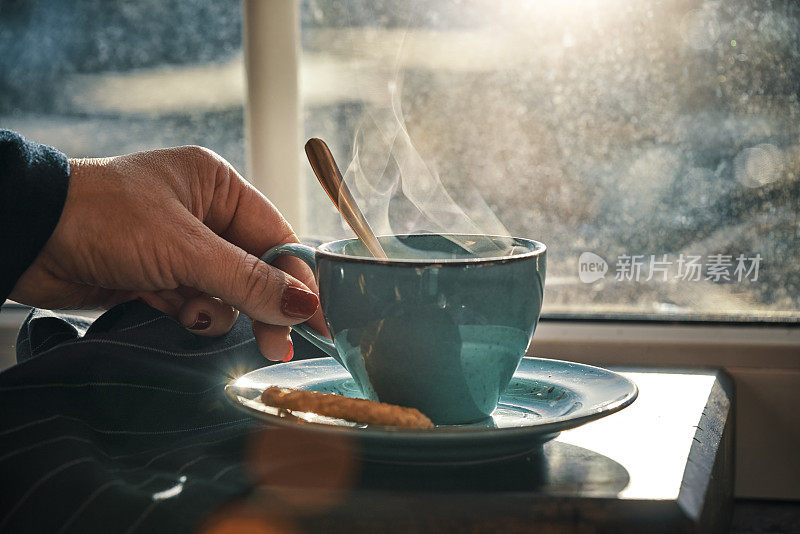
328	174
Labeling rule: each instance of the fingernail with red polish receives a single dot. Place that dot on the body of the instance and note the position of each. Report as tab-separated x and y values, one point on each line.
290	354
202	322
299	303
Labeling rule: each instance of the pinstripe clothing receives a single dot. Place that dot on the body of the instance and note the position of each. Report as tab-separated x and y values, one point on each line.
120	425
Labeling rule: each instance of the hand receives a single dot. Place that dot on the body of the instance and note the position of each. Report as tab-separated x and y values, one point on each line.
182	230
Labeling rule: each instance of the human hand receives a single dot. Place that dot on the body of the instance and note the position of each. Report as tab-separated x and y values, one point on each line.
180	229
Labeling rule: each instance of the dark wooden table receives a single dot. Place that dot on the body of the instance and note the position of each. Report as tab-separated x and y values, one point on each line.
665	464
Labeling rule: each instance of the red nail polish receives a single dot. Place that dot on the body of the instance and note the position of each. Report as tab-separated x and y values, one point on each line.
290	354
299	303
202	322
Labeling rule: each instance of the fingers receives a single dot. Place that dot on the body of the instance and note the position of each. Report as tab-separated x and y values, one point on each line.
207	316
168	301
273	341
201	314
317	322
265	293
248	225
241	215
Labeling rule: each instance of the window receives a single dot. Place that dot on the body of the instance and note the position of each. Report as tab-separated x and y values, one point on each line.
98	78
653	146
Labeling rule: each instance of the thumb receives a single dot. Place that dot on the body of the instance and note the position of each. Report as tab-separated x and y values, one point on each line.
261	291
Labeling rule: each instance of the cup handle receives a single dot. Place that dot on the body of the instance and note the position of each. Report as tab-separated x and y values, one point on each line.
306	254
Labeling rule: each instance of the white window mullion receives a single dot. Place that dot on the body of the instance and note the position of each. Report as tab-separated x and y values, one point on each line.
273	122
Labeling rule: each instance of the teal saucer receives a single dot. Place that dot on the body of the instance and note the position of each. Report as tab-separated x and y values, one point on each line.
543	398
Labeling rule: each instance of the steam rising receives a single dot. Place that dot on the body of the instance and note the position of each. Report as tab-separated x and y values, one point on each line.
398	192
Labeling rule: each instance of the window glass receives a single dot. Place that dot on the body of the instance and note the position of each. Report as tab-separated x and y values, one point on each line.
99	78
653	146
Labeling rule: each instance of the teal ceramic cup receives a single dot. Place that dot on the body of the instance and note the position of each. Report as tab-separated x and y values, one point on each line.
433	327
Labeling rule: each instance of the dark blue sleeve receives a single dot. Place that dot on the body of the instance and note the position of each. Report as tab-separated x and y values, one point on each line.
33	188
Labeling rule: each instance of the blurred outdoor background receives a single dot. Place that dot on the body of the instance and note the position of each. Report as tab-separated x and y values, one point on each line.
652	130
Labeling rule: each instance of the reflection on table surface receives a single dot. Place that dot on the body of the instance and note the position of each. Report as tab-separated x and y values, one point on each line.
558	469
652	437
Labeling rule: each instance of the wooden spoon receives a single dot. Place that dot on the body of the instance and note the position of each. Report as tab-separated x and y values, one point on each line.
321	159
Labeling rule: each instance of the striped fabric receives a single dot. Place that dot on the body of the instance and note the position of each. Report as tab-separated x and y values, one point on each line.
120	425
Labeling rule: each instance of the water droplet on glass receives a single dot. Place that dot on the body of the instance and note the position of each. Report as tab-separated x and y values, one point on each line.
759	165
699	29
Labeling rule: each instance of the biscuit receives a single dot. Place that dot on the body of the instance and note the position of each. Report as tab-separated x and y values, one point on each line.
340	407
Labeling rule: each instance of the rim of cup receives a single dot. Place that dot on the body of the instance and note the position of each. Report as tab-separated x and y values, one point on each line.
538	249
